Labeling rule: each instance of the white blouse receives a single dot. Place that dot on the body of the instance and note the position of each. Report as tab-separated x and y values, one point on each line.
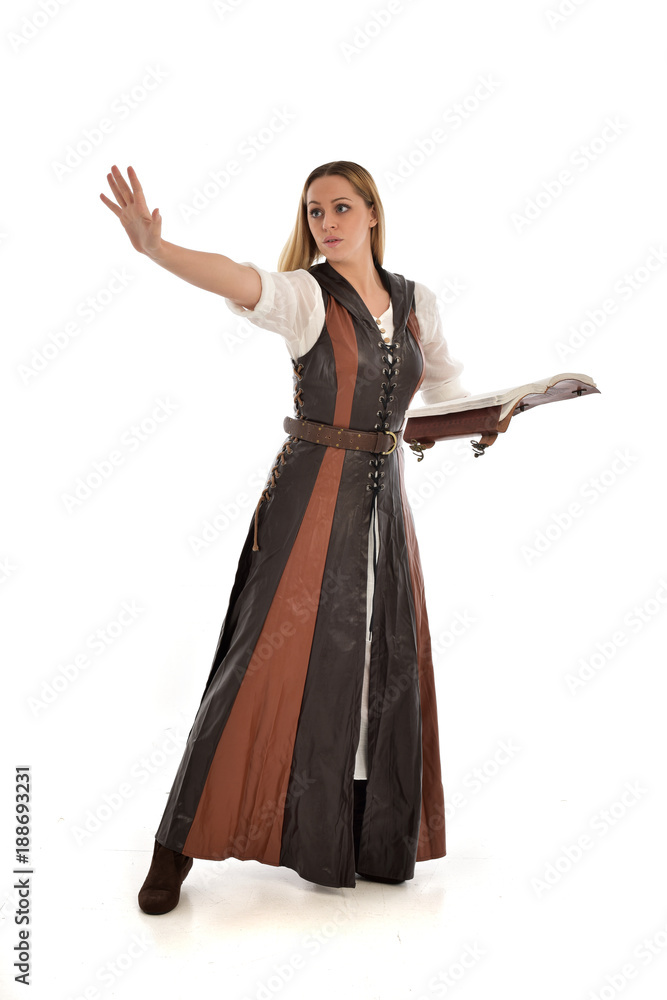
292	305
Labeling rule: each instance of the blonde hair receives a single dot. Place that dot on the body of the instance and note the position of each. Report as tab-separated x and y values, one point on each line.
301	250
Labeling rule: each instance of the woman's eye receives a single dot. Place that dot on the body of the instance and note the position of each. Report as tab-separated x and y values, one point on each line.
314	210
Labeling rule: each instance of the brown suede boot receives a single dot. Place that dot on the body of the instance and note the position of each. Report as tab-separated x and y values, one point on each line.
162	887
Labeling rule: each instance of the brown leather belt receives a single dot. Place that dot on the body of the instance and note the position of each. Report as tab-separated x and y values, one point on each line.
380	442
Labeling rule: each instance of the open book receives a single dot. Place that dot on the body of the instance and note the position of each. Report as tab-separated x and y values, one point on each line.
487	413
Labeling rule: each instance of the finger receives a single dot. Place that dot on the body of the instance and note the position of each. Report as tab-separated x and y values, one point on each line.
137	189
123	185
116	190
134	181
110	204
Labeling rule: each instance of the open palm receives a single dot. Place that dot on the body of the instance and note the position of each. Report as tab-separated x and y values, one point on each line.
144	228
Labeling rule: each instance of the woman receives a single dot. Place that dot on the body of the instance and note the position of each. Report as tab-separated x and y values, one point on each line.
315	745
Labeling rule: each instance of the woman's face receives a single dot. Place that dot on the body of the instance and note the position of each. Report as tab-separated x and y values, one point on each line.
336	211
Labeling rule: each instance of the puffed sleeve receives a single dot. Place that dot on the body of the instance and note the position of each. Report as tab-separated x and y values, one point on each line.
290	304
441	380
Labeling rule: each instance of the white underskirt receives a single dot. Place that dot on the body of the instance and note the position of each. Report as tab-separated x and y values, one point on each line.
361	759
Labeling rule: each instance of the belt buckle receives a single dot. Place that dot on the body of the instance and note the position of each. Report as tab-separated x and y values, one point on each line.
393	447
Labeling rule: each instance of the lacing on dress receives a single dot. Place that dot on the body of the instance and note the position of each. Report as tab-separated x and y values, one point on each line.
384	398
376	460
285	450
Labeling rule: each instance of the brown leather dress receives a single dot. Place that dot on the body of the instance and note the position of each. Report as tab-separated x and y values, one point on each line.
267	772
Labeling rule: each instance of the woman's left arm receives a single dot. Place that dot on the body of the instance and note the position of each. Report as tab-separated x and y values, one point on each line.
441	380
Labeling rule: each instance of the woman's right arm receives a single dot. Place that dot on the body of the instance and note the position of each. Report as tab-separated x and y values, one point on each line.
211	271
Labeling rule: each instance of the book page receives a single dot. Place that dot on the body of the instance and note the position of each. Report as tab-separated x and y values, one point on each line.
499	396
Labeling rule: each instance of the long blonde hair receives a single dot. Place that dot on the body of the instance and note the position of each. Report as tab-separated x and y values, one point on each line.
301	250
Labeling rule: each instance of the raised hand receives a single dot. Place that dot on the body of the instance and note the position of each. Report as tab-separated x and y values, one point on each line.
144	228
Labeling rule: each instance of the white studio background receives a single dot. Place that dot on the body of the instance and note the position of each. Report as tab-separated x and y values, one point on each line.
544	560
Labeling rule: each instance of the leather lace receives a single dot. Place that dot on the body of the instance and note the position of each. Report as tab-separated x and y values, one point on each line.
274	474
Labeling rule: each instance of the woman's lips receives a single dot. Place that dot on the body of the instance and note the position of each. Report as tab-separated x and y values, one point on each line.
332	243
